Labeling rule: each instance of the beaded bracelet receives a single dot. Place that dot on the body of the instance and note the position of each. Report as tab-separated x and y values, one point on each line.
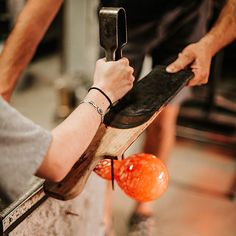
109	100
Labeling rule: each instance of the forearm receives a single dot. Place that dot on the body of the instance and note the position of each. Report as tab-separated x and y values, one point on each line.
20	46
224	30
72	137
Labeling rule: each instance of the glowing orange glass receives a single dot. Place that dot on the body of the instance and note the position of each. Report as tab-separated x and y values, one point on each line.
143	176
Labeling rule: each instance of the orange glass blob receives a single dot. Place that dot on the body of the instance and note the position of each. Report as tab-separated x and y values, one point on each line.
103	168
143	177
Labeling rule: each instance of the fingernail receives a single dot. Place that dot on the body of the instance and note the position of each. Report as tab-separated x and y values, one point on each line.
170	69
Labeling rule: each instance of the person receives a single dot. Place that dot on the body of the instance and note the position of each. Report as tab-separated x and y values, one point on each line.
162	30
28	149
31	25
198	55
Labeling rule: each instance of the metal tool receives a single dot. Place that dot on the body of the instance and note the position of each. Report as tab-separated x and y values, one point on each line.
112	31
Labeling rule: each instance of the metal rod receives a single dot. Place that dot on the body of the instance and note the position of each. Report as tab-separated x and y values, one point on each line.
13	215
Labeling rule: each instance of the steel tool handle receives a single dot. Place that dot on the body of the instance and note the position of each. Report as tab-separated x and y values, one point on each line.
112	31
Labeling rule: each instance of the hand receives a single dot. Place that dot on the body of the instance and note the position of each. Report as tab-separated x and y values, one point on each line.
115	78
198	56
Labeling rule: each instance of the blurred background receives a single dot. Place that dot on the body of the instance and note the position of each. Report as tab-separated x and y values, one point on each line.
202	167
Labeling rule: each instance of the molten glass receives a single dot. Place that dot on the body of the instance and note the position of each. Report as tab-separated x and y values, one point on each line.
103	168
143	177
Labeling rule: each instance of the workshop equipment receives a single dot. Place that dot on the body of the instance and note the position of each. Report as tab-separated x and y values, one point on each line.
128	118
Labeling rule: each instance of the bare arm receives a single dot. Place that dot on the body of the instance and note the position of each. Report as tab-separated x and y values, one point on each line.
72	136
198	55
224	30
20	46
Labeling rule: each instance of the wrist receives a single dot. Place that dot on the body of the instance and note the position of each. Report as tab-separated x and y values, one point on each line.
104	94
213	43
98	98
209	44
106	91
8	79
6	89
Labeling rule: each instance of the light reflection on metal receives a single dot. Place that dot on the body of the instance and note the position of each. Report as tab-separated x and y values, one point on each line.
20	209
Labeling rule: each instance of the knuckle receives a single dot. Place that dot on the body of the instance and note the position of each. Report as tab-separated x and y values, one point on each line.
204	81
178	65
131	72
125	61
188	48
195	81
127	69
192	83
180	54
203	75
